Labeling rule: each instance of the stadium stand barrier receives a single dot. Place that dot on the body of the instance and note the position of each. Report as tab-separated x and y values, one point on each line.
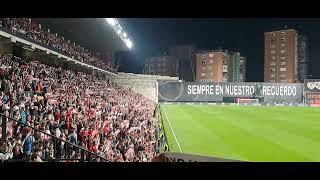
162	133
183	157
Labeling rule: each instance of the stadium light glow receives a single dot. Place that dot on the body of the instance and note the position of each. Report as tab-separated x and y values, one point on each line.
129	44
113	22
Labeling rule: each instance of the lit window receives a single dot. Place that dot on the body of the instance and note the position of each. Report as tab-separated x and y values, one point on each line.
283	75
210	55
283	69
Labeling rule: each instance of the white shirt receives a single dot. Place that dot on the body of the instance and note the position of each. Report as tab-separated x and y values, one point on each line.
4	156
58	132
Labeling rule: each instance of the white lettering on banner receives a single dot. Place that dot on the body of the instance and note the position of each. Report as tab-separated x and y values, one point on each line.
251	90
264	90
241	90
272	90
235	90
217	90
200	89
211	89
247	89
189	89
228	89
285	90
203	88
207	89
221	89
279	90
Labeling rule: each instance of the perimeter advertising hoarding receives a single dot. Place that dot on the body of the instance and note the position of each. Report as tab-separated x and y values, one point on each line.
312	85
176	91
182	157
312	99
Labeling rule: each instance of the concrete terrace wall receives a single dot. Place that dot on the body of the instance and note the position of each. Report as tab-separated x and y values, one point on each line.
140	83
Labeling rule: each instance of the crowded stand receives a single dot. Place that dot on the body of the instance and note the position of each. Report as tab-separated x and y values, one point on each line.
97	115
34	31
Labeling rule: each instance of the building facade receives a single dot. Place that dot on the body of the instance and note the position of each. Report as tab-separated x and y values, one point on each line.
162	65
186	55
243	69
286	57
220	66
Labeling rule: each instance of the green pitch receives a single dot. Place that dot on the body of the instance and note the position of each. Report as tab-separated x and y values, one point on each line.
244	132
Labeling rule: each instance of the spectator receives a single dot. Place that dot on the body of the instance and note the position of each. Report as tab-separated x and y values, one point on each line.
28	143
5	154
97	115
25	27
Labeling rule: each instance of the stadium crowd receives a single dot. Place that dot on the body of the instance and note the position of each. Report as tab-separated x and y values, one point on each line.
95	114
26	27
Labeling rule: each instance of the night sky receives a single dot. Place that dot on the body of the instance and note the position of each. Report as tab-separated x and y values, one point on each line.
151	36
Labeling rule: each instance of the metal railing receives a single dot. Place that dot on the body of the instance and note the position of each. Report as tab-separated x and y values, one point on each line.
59	153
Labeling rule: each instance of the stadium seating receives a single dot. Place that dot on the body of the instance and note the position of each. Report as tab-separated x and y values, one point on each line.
34	31
101	116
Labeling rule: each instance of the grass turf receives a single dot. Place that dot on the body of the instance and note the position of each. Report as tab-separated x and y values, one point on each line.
244	132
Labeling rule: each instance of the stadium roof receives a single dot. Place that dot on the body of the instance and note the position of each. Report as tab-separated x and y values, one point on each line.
92	33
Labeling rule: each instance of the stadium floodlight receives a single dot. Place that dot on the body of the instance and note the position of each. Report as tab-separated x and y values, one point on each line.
118	29
129	43
111	21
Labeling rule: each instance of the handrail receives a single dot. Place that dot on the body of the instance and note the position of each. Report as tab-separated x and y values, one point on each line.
71	144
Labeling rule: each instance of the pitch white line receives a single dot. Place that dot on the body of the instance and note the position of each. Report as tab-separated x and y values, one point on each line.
174	135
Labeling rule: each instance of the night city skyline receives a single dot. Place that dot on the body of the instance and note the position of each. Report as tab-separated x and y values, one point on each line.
151	37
